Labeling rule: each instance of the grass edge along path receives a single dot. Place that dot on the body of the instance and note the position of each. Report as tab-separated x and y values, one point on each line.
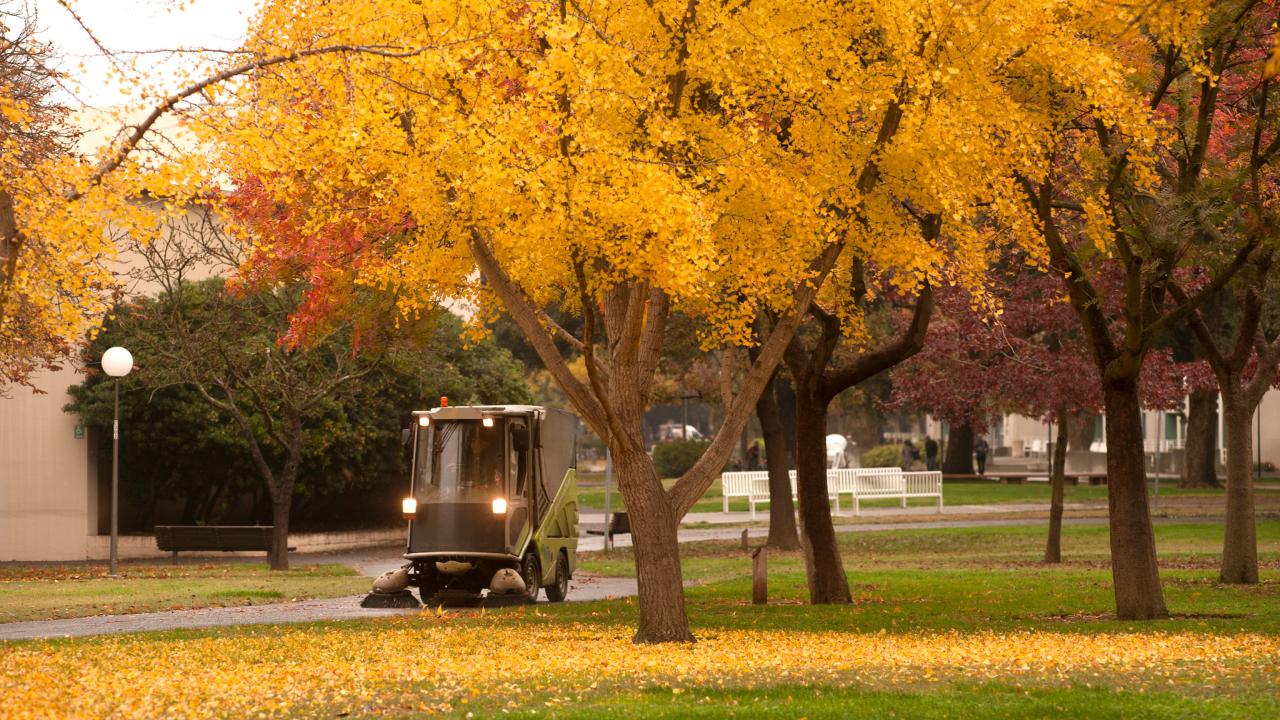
67	591
963	492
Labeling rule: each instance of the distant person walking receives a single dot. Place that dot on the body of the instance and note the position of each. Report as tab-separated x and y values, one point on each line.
930	453
753	456
980	450
909	454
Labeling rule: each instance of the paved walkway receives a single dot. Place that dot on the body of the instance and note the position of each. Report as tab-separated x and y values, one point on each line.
594	519
581	589
596	542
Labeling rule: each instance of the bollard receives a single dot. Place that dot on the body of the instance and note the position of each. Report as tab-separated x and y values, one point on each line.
760	576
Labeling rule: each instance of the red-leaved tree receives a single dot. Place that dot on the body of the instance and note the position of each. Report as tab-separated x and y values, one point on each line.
1020	352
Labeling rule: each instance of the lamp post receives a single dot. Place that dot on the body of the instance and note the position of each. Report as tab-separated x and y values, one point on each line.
685	397
117	362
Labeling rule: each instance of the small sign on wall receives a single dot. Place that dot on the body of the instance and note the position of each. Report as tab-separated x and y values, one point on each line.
79	431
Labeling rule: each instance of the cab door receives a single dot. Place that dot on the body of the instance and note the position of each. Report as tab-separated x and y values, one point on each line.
519	484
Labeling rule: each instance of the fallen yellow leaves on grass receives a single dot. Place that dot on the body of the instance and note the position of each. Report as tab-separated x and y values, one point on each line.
427	662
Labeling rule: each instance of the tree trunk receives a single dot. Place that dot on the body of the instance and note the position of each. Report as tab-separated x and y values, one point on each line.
786	395
1200	466
959	458
279	554
782	513
656	548
827	581
1134	570
190	503
1240	542
261	504
1057	482
281	485
1080	431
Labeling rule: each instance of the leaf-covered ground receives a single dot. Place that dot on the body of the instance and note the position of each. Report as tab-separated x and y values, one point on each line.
946	623
427	663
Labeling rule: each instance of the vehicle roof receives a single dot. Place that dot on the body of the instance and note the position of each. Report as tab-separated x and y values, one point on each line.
463	412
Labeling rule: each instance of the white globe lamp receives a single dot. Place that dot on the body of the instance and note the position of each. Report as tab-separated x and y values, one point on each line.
117	362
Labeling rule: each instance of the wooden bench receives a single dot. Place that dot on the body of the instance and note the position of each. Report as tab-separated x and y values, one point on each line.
619	524
1094	478
1008	478
214	538
1018	478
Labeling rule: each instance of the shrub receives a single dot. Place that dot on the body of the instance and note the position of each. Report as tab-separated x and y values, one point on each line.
673	458
883	456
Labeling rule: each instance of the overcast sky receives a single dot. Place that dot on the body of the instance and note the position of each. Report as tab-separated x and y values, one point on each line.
136	25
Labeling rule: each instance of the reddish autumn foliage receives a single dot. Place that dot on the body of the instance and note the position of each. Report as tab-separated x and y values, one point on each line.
324	260
1029	358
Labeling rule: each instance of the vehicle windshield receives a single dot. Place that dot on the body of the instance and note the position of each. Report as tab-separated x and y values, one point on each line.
460	461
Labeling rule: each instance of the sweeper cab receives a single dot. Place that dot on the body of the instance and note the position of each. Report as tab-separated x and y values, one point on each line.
492	507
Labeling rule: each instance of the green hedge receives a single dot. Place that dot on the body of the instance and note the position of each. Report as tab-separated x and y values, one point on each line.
675	457
883	456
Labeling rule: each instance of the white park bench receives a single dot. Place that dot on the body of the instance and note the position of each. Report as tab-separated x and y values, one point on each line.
859	483
888	482
868	484
751	484
924	484
754	486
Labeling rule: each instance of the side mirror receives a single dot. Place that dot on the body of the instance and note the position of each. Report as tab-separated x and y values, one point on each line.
405	435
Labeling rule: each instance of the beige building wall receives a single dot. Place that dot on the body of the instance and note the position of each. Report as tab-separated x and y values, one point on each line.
48	471
48	484
1269	414
1032	434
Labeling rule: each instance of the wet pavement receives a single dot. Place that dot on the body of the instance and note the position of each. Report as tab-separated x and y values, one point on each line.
582	588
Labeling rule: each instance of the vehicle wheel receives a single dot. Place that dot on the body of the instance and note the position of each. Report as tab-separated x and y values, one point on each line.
531	571
558	591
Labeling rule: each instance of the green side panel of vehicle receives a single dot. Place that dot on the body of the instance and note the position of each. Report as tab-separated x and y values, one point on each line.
559	530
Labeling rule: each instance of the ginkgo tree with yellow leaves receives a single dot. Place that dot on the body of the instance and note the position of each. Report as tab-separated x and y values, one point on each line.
64	209
624	160
54	271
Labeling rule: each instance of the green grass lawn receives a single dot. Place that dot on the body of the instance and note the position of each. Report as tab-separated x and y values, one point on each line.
978	492
46	592
944	624
971	578
984	700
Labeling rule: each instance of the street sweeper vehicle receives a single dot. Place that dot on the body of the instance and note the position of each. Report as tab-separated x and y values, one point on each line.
492	508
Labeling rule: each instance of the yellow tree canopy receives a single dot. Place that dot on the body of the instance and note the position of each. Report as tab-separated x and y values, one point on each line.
62	211
710	149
